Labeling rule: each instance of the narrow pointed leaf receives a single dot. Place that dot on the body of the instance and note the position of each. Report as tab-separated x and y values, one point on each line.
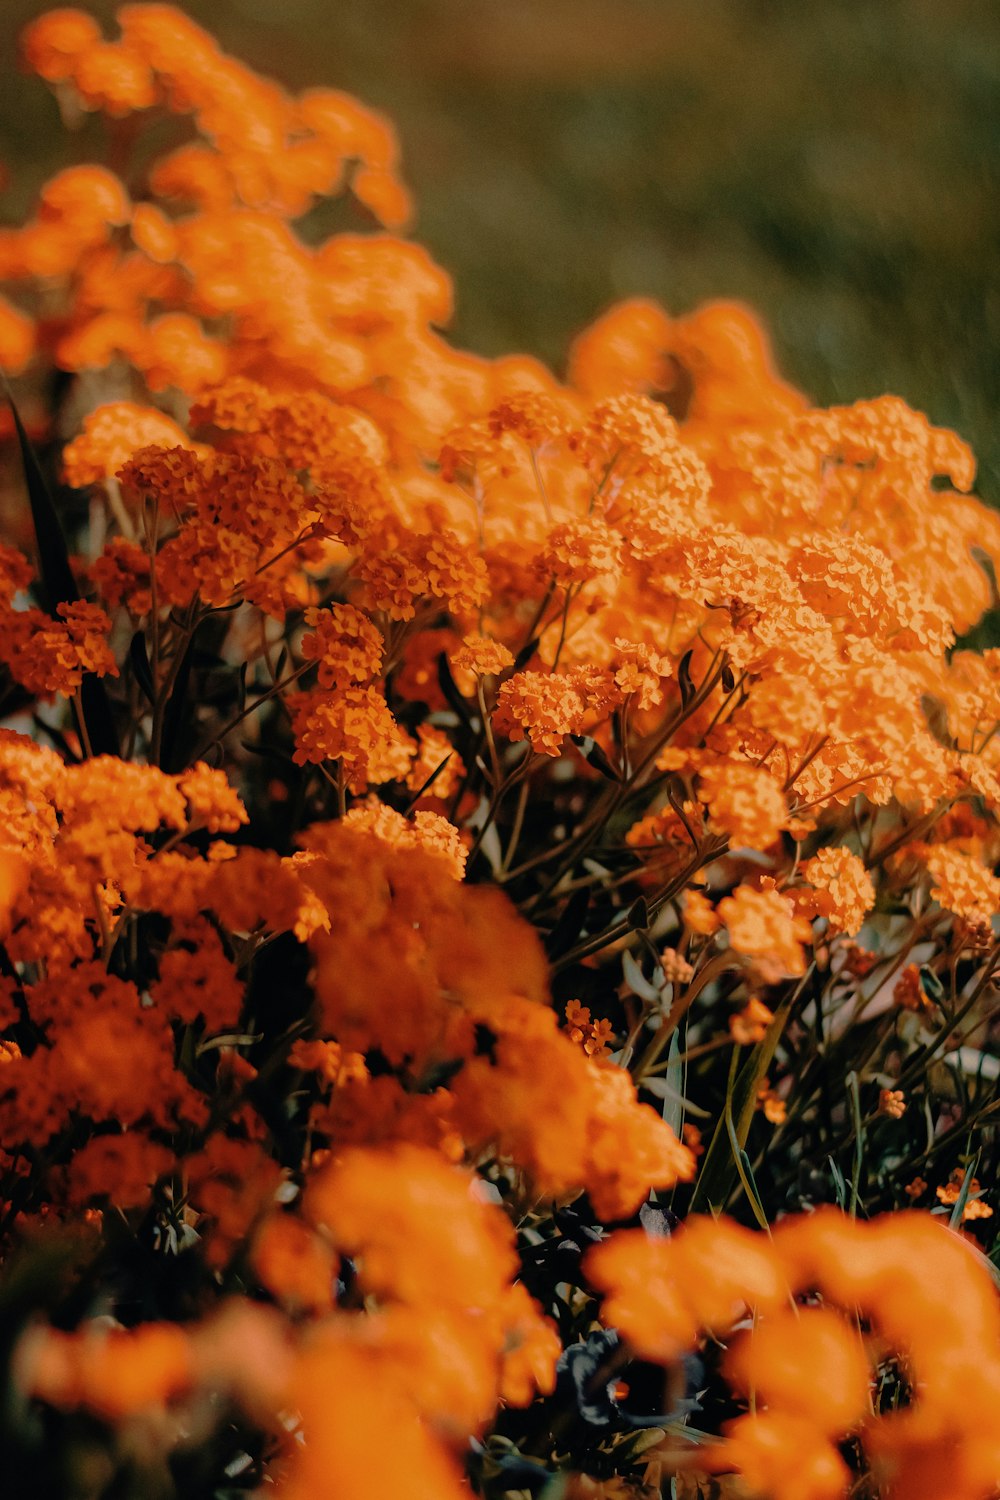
684	679
453	697
58	586
98	717
719	1170
673	1098
525	654
174	713
637	915
56	575
594	756
637	981
139	658
570	924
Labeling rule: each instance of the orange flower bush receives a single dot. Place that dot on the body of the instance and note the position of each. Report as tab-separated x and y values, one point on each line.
429	789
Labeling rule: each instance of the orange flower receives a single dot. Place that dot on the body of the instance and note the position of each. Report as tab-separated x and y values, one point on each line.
345	1415
640	670
425	830
751	1024
762	926
774	1107
738	598
155	236
676	970
778	1361
593	1036
295	1263
781	1456
383	1208
232	1183
329	1060
353	726
344	643
531	1349
436	771
15	873
88	199
17	337
629	1147
545	707
699	913
212	802
577	552
404	570
974	1207
745	804
197	979
175	351
119	1168
908	991
111	1373
844	891
480	655
662	1292
111	435
52	44
51	656
962	885
121	575
114	79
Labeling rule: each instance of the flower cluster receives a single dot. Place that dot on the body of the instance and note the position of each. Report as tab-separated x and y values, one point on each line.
458	826
826	1294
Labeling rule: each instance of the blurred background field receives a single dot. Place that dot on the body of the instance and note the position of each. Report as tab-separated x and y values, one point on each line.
836	166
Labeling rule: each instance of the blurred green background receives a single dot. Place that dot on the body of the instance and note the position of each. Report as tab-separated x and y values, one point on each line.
835	165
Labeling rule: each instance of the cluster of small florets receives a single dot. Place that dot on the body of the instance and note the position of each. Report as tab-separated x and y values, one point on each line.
429	789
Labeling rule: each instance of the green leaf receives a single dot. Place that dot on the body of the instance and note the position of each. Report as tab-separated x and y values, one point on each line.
839	1185
684	679
859	1142
637	915
174	713
188	1055
931	983
228	1039
745	1172
139	658
452	696
58	583
97	716
595	756
58	586
673	1101
525	654
637	981
268	752
720	1171
661	1089
632	1449
963	1194
569	925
